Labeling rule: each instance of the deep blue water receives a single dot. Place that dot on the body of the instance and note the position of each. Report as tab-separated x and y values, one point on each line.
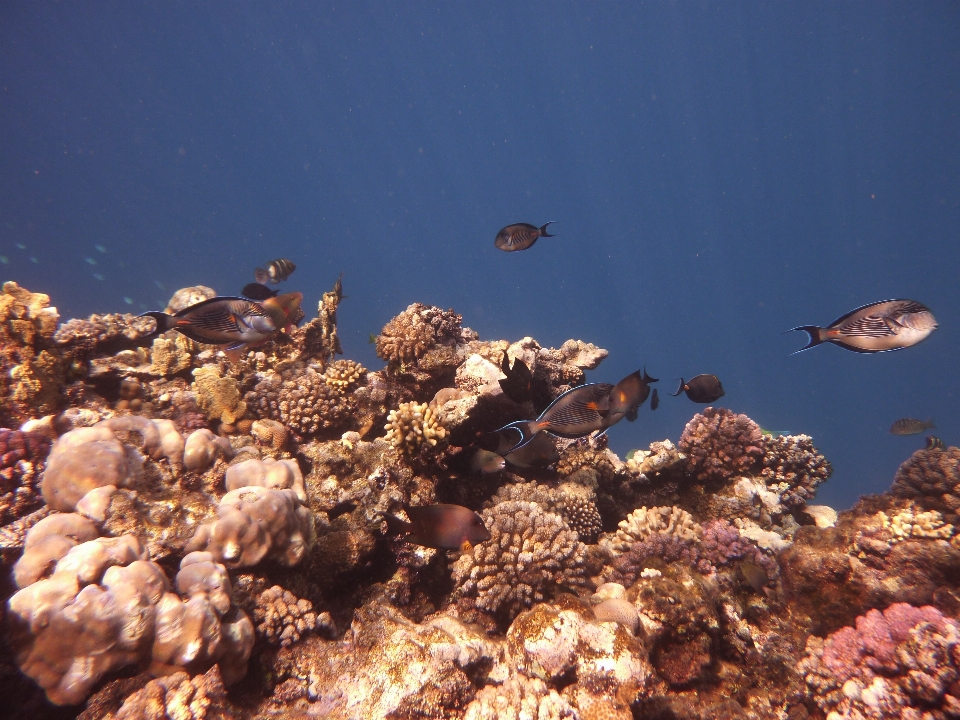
718	173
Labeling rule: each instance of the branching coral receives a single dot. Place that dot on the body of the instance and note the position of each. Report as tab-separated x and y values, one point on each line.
21	459
794	466
575	503
642	523
178	697
519	698
415	331
903	662
301	399
931	477
341	374
218	397
281	617
531	553
720	444
411	425
910	524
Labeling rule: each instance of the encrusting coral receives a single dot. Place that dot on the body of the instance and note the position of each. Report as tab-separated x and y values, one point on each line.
720	444
530	555
218	397
410	335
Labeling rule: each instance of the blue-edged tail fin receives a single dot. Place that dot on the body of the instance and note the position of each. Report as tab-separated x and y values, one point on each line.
679	389
526	433
813	331
543	229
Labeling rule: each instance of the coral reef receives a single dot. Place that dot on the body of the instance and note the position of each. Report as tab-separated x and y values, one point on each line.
575	503
302	400
22	455
531	554
218	397
281	617
410	335
720	444
642	523
177	697
930	478
413	425
794	466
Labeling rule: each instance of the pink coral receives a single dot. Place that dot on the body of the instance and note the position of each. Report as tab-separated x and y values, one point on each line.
720	444
21	459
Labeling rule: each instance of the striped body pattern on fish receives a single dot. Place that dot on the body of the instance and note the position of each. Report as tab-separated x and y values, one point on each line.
878	327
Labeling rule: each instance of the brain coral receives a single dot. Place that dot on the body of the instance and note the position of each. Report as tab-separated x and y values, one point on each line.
720	444
530	555
21	460
415	331
903	662
794	464
930	478
411	425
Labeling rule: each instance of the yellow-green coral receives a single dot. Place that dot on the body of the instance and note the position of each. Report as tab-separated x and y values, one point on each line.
218	397
908	524
36	383
27	314
169	356
411	425
341	374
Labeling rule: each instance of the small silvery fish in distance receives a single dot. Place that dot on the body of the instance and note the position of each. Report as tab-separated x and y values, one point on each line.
935	443
4	259
911	426
100	248
234	323
90	261
627	395
574	414
701	389
258	291
21	246
275	271
655	400
518	383
443	527
520	236
877	327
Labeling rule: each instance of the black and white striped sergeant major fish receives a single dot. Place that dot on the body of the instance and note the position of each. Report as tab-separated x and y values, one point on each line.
877	327
275	271
520	236
574	414
234	323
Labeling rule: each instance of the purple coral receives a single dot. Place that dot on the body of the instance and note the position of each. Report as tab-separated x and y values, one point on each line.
665	547
21	457
722	544
902	662
720	444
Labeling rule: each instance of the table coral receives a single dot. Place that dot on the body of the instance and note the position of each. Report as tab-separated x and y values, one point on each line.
22	455
795	467
256	523
930	477
410	335
218	397
720	444
281	617
412	425
902	662
530	555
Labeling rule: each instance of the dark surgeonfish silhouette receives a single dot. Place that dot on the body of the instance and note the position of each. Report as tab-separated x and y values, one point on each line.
258	291
518	383
701	389
234	323
655	400
627	395
275	271
574	414
877	327
443	527
520	236
910	426
538	453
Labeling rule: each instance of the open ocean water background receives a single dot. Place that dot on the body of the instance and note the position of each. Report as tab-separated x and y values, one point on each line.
718	173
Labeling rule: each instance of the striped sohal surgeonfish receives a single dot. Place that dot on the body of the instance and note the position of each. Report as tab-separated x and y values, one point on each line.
574	414
877	327
520	236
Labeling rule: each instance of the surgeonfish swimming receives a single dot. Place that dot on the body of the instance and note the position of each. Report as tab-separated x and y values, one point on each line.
627	395
701	389
877	327
935	443
443	527
655	400
574	414
485	462
234	323
518	383
538	453
258	291
910	426
275	271
520	236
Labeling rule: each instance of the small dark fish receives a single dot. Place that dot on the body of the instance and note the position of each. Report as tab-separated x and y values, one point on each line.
373	339
935	443
627	395
877	327
485	462
343	508
234	323
444	527
575	414
518	381
655	400
520	236
276	271
538	453
701	389
338	288
910	426
755	576
258	291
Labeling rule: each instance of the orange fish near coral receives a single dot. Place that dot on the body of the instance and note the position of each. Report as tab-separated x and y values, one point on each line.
234	323
520	236
444	527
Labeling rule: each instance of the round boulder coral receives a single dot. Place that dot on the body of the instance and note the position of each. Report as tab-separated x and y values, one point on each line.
720	444
931	477
415	331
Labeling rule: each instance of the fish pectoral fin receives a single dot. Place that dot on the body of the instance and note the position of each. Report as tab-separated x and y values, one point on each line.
234	352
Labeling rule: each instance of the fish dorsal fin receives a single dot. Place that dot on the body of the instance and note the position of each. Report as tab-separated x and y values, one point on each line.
569	411
896	306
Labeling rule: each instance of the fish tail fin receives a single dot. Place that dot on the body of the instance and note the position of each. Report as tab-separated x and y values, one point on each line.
164	322
396	526
679	389
813	331
647	378
543	229
526	433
